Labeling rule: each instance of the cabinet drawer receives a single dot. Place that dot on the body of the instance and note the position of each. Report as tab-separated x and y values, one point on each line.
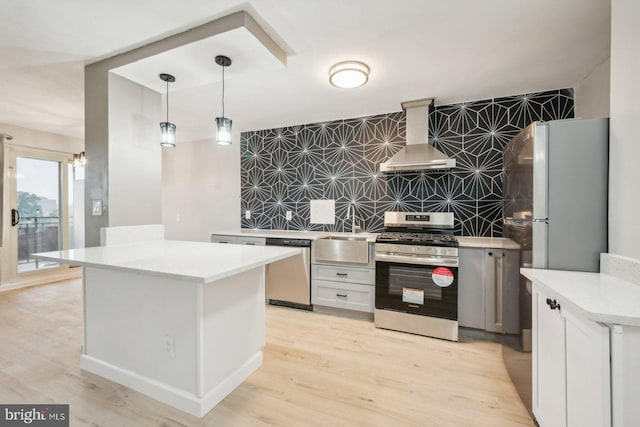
217	238
344	274
348	296
253	241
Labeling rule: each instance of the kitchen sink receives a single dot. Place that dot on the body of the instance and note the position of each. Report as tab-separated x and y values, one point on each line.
343	249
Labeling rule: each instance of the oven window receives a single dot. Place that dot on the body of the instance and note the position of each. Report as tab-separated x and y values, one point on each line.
417	289
404	277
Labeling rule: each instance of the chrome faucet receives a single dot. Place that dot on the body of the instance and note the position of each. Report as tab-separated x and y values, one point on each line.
351	213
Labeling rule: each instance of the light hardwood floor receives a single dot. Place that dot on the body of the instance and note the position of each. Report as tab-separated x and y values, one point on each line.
319	370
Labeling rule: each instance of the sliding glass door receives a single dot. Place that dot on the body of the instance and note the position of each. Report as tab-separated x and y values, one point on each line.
39	208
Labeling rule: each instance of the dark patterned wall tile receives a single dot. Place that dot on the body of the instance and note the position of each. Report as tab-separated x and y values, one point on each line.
257	191
282	169
449	144
565	108
279	223
366	217
489	218
256	207
279	192
465	213
483	184
464	120
440	122
374	183
300	218
257	222
402	188
502	128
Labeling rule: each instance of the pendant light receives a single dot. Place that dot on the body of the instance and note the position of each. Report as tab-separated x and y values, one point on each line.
167	129
223	124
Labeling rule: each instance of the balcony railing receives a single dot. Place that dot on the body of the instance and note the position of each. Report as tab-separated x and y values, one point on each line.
37	234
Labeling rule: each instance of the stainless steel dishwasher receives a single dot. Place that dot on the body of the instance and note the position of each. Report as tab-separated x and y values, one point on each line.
289	280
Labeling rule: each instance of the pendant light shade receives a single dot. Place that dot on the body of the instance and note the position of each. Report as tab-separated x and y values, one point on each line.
167	134
223	124
167	129
223	134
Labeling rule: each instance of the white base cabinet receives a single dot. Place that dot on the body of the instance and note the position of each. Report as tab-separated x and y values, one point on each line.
571	367
344	286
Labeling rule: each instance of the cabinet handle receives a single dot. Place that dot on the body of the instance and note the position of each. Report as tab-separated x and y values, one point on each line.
341	295
249	243
498	292
341	274
490	253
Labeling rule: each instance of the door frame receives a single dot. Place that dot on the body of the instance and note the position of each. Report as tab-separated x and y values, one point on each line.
10	276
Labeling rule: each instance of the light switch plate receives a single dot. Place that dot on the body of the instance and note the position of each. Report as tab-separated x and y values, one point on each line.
289	215
96	207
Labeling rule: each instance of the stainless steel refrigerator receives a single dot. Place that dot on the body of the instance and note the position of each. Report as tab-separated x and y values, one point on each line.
555	207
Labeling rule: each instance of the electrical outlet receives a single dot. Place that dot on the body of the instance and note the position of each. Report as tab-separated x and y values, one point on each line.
289	215
178	217
247	214
170	345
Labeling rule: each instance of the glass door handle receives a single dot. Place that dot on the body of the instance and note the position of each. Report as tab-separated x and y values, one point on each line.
15	217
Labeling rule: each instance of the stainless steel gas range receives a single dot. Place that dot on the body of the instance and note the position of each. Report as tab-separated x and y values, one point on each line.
417	274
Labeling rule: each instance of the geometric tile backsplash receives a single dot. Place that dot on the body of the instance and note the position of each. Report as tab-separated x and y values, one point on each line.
283	169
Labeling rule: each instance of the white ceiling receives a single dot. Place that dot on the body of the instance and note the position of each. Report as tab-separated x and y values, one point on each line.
454	50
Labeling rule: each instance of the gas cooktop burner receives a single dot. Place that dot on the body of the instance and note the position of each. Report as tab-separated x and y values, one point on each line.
423	239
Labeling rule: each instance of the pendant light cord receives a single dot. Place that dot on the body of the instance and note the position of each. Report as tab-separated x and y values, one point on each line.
223	67
167	100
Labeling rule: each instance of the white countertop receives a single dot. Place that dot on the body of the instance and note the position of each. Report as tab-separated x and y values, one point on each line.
486	242
284	234
601	297
195	261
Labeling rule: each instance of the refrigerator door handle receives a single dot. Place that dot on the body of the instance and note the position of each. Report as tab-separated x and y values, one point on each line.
543	220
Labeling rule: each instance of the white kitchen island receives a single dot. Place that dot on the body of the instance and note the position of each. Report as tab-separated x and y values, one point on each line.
182	322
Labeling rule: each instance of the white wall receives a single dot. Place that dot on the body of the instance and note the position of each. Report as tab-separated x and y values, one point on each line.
592	93
37	139
135	160
200	188
624	170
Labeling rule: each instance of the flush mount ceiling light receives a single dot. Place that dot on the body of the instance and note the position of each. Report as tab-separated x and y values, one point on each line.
167	129
349	74
223	124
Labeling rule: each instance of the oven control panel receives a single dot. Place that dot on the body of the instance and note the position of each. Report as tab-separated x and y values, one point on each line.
418	218
422	219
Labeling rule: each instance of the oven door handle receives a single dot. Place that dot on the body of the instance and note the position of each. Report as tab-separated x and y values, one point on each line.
421	260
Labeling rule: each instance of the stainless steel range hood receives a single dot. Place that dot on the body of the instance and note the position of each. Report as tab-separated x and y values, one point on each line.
418	154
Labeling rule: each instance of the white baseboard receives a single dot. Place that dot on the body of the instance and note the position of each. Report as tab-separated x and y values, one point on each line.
42	278
180	399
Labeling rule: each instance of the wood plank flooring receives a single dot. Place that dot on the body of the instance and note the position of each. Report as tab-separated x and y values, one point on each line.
319	370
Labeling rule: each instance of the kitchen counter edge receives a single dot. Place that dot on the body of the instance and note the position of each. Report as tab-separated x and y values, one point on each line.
601	297
285	234
486	242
